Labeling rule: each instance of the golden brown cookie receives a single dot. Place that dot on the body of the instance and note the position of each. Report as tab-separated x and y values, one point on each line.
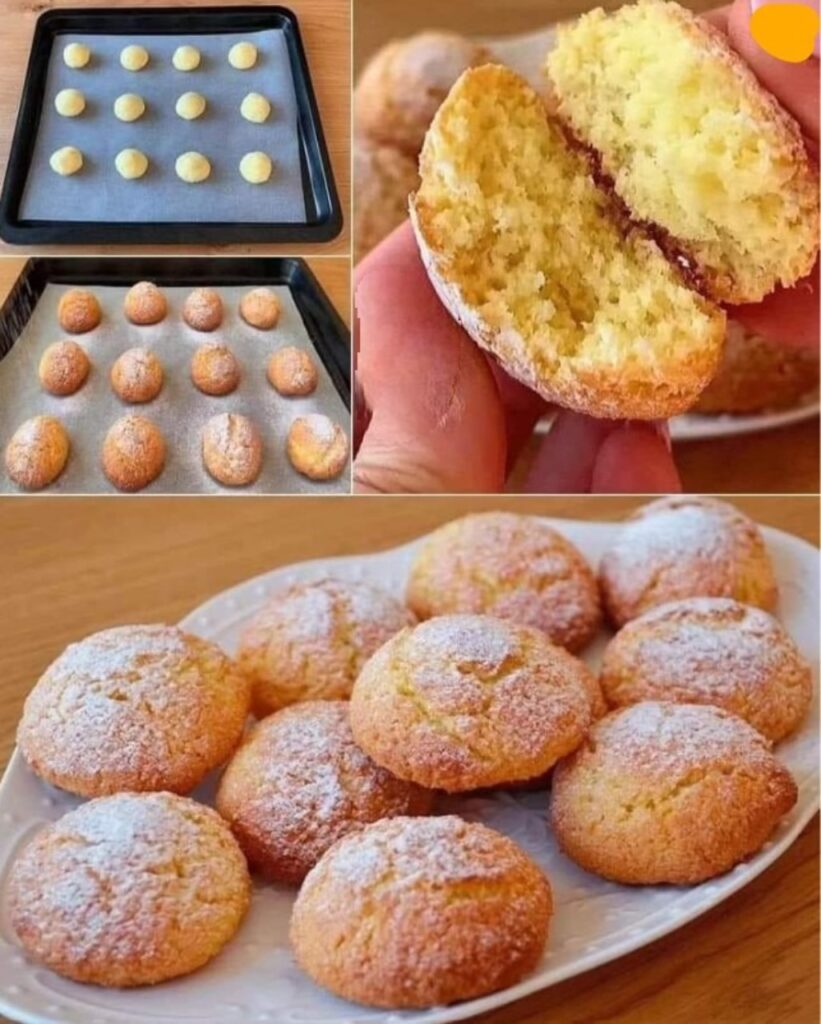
232	449
203	309
463	702
135	707
78	311
299	783
37	453
384	177
711	650
128	890
668	793
145	304
292	371
417	912
310	640
133	453
317	447
64	367
512	566
685	547
214	369
137	376
260	308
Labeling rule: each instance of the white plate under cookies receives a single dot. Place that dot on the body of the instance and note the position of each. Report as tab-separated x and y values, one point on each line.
255	978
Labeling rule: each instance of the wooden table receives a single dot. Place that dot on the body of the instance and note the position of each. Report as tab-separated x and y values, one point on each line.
72	566
326	31
784	461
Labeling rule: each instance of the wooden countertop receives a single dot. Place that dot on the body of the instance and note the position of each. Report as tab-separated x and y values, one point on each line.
325	26
70	567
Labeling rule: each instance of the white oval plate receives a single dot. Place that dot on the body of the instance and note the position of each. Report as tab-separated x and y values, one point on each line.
255	978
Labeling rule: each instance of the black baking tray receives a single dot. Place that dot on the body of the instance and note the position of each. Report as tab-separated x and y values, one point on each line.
322	205
326	328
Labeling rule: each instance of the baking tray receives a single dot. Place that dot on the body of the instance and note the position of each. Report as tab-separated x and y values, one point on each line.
28	319
323	214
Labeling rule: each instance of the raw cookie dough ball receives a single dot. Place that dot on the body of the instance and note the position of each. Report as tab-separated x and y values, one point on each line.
78	311
711	650
189	107
242	56
260	308
129	107
76	55
133	453
63	368
137	376
69	102
203	309
131	163
298	783
310	641
668	793
317	447
186	58
421	912
145	304
685	547
255	107
513	703
512	566
37	453
142	708
65	161
134	58
232	449
192	167
256	167
96	897
292	371
214	369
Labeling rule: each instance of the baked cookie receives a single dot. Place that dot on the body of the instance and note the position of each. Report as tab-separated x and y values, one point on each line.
128	890
232	449
384	177
606	326
214	369
37	453
145	304
404	84
418	912
310	640
711	650
137	376
463	702
78	311
260	308
64	367
685	547
668	793
512	566
317	447
691	142
133	453
291	371
143	708
203	309
299	783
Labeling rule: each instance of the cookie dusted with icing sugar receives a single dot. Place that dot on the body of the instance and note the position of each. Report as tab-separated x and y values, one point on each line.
134	708
462	702
668	793
417	912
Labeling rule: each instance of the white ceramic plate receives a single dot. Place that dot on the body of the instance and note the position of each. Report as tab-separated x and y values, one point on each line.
255	978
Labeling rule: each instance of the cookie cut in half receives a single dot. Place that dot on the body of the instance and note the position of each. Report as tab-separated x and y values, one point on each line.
541	266
692	143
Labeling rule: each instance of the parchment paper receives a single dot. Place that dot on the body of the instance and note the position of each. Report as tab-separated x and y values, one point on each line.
180	410
98	193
